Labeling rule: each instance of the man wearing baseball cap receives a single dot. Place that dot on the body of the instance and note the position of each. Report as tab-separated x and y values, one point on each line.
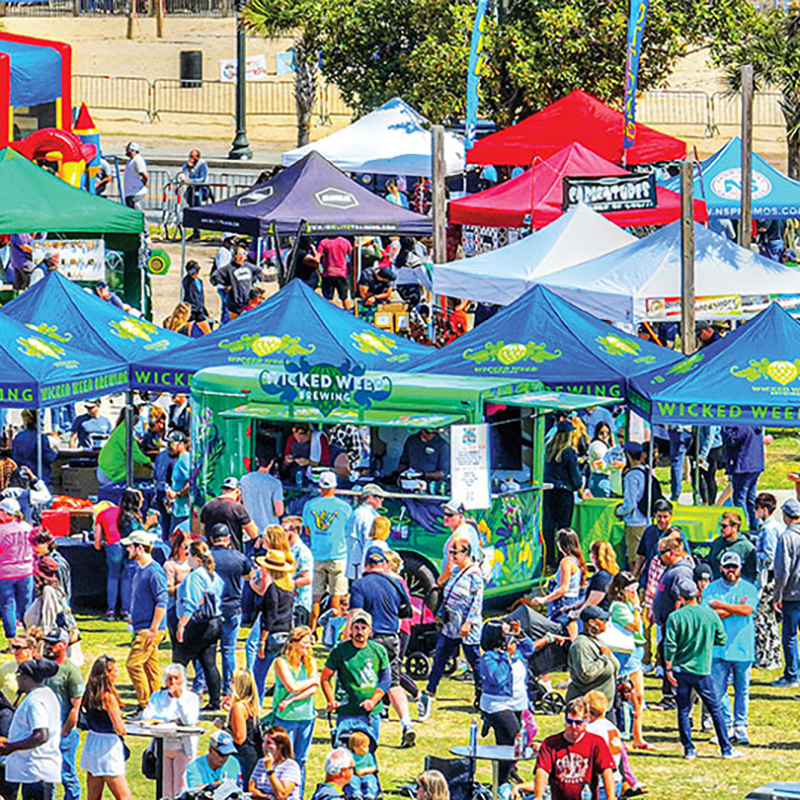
735	600
591	664
227	509
460	530
359	528
731	540
219	764
787	590
136	177
178	490
88	425
363	674
325	520
149	598
385	598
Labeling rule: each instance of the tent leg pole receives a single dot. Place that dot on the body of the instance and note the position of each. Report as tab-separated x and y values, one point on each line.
356	276
696	489
39	432
258	253
183	257
129	438
649	486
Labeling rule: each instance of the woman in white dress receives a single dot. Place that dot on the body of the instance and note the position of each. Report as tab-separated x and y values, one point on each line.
104	750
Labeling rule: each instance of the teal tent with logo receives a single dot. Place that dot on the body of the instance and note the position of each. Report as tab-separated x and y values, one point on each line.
542	337
60	308
718	181
751	377
295	324
40	369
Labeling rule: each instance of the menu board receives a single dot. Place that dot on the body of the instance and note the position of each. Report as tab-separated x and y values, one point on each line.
469	465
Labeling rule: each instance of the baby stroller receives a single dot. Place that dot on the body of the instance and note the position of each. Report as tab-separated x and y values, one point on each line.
340	735
422	643
552	658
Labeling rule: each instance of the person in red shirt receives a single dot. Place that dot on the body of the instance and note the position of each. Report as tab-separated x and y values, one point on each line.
570	760
335	257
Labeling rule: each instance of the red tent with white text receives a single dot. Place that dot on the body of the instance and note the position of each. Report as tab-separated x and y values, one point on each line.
577	117
508	204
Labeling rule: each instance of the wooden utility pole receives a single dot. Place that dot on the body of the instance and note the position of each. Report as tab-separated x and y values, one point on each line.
438	191
687	258
131	12
159	18
746	215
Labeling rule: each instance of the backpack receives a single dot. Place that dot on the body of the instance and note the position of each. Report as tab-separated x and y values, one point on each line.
655	494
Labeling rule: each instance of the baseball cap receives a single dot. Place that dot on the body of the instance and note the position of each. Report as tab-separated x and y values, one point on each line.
133	146
791	508
594	612
11	506
223	743
386	274
328	480
452	508
565	426
375	555
57	636
176	437
139	537
702	325
633	448
230	483
731	559
219	531
703	572
373	490
359	615
688	589
195	267
92	404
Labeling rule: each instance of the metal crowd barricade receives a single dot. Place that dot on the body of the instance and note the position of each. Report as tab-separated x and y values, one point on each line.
114	93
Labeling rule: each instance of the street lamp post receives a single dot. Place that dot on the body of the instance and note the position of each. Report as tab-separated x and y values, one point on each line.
240	147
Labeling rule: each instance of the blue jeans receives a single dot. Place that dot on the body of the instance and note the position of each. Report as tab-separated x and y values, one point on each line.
260	670
224	314
227	646
115	553
69	769
16	594
721	670
679	442
790	614
704	686
446	647
126	584
251	645
301	733
745	485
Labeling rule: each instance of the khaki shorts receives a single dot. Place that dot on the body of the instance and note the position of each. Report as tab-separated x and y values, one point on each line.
329	577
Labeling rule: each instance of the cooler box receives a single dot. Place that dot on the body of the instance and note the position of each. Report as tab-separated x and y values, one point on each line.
57	522
776	790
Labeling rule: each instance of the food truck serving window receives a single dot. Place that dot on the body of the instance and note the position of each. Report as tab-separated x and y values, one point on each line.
342	416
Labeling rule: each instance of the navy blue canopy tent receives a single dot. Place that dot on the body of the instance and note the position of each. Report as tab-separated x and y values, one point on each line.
544	337
719	182
62	309
295	324
311	196
751	377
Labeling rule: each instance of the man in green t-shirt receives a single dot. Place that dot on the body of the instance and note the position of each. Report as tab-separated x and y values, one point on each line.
731	540
363	674
67	684
689	639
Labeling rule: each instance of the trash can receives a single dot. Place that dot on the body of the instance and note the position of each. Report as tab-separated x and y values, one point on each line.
191	69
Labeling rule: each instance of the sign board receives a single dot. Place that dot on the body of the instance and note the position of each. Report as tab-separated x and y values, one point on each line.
255	68
720	306
469	465
79	259
612	193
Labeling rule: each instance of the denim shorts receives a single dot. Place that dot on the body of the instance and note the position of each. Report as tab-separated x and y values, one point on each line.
633	662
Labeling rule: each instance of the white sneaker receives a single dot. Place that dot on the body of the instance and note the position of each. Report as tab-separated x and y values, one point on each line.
733	754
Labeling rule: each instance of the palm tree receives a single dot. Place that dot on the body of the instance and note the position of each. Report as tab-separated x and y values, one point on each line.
270	18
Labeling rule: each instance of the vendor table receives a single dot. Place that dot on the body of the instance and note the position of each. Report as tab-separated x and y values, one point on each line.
494	753
158	733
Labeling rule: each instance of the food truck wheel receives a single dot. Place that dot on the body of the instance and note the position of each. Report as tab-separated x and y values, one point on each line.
421	580
418	666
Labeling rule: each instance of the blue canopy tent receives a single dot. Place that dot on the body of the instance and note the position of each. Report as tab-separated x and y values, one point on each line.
719	182
751	377
61	307
544	337
293	325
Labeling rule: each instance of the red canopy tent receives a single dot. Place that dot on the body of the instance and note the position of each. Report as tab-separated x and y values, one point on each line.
507	205
578	117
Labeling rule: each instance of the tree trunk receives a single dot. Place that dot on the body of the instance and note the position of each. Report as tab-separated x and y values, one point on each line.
305	84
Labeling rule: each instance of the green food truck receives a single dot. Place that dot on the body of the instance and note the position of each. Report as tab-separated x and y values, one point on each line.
236	410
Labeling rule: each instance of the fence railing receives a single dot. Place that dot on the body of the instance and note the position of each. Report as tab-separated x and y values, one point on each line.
172	96
120	8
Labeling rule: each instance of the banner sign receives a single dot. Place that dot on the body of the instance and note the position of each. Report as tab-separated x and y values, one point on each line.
78	259
720	306
469	465
255	69
637	18
613	193
476	60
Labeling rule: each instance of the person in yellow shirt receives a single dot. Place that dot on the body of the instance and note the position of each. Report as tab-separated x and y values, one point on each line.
22	648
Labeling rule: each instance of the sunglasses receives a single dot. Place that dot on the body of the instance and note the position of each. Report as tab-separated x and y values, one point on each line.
457	552
573	721
728	567
17	647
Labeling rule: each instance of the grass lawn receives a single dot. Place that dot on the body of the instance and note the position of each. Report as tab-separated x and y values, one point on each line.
774	724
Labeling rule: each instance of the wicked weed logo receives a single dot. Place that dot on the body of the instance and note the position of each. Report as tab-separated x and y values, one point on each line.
781	372
509	354
326	386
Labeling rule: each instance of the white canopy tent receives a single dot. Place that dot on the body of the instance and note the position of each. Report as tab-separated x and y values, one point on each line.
392	140
502	275
643	280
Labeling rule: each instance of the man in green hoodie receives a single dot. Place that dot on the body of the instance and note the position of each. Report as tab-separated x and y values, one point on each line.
691	634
